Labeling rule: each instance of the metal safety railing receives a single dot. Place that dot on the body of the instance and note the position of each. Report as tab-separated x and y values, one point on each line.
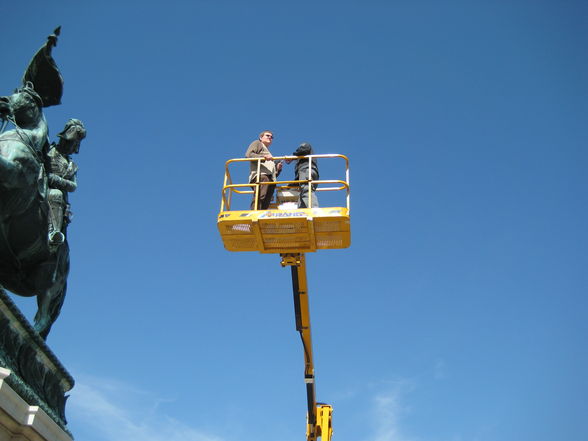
253	188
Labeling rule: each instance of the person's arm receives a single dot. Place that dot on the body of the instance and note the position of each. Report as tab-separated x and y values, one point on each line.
256	150
56	181
279	166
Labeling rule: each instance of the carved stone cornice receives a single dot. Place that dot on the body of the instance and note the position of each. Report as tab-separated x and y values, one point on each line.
37	375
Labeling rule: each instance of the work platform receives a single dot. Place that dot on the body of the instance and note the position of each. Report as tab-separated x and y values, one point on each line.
284	228
290	227
285	231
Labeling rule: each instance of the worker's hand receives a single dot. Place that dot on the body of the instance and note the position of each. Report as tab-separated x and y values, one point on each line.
279	166
268	157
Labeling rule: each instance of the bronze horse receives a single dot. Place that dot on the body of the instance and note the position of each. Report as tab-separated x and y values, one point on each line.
28	265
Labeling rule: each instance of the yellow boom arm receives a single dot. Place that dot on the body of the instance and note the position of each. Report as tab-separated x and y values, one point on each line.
319	416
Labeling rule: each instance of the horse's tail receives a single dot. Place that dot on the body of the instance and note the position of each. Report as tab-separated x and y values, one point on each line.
50	299
44	321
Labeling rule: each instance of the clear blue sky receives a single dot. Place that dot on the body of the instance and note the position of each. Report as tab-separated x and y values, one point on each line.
458	313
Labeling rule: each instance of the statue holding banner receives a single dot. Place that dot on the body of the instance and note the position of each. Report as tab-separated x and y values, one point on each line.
35	179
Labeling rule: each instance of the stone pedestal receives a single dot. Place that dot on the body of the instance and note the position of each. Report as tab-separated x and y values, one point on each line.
33	383
20	421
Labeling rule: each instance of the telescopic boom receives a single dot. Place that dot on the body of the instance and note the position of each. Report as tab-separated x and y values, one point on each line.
319	416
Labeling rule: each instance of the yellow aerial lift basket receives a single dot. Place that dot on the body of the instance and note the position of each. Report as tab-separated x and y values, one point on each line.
290	231
285	228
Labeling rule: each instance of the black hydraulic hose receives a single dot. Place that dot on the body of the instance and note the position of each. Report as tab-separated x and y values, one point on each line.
295	289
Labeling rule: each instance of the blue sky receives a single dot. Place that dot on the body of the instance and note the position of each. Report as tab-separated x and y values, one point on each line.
457	314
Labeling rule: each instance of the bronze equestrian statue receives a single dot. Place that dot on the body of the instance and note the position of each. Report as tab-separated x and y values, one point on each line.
35	177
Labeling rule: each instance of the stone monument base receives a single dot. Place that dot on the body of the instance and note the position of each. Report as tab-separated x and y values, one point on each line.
20	421
33	382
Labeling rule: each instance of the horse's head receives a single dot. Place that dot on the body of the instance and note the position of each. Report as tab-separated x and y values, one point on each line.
24	106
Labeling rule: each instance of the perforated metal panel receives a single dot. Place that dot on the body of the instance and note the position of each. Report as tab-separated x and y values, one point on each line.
285	231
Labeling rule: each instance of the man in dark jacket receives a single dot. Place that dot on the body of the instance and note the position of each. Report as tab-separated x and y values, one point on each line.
301	173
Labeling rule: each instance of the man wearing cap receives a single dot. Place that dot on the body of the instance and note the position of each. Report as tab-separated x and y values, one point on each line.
306	169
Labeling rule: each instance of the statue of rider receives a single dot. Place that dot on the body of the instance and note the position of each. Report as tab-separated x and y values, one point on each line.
61	175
